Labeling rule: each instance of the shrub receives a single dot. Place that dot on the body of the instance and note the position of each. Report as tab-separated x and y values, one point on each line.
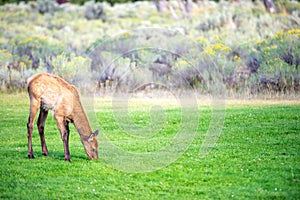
74	69
47	6
280	61
37	49
94	11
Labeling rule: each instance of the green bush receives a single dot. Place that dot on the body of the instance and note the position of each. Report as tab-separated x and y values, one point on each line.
74	69
47	6
94	11
37	49
281	58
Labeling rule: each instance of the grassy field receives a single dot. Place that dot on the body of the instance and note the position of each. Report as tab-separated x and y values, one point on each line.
257	156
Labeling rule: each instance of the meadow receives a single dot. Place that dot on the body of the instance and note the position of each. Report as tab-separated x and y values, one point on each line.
256	156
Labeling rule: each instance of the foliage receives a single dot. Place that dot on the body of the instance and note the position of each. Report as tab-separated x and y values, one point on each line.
94	11
74	69
288	6
47	6
232	43
24	56
36	47
281	59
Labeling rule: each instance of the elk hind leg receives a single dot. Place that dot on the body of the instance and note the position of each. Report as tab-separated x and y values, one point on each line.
34	106
41	125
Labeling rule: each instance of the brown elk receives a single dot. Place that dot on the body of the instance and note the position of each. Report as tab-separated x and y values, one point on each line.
50	92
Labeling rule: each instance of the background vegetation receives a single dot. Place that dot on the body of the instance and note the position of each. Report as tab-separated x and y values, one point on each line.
80	2
247	49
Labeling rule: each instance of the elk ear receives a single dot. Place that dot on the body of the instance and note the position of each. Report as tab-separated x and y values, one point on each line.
96	133
93	135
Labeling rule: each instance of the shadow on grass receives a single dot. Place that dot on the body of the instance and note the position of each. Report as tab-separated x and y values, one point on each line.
21	154
60	156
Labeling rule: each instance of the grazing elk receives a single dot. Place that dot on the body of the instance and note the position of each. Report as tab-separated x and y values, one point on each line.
49	92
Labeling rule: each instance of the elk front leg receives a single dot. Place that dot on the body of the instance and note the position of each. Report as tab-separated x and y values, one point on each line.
66	142
34	105
63	127
41	124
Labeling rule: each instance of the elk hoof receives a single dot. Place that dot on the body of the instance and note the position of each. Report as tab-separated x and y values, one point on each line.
30	156
45	154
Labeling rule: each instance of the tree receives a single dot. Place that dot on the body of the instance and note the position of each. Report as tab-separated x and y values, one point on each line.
270	6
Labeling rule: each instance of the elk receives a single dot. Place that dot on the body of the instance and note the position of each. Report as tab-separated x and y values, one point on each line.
50	92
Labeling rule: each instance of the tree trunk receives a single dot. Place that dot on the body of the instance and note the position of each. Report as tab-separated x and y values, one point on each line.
270	6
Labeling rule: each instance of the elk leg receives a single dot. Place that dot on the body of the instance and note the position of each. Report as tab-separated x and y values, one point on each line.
63	127
66	142
34	106
41	124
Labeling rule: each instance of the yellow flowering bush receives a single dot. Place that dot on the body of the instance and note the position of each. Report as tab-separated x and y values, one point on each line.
280	55
215	49
237	59
5	56
73	68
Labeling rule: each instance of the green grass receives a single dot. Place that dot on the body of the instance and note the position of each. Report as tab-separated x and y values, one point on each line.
256	157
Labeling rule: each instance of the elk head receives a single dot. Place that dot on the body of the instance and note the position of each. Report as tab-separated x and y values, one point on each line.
91	146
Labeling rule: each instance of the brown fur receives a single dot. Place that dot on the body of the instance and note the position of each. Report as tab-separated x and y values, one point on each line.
49	92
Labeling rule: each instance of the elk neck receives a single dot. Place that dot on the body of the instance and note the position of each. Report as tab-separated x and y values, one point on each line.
81	122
